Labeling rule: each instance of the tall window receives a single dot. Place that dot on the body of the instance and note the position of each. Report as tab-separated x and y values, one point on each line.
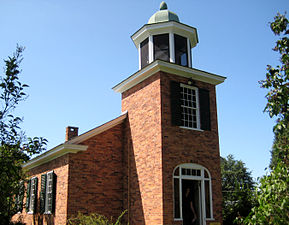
161	47
190	106
181	50
47	193
31	195
144	51
195	179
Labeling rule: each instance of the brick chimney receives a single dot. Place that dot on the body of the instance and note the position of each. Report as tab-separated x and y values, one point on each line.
71	132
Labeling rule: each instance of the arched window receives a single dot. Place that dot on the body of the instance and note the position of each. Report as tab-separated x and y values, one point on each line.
192	183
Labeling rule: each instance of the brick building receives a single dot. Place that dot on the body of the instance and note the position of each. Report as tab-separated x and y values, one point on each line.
159	159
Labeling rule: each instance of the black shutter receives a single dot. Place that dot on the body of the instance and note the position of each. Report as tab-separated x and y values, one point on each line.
34	185
28	195
19	197
176	109
43	193
205	114
51	188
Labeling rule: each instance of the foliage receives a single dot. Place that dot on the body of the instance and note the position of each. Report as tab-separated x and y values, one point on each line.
15	149
273	195
273	199
237	188
94	219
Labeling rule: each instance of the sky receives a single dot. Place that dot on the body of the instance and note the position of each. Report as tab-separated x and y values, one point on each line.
77	50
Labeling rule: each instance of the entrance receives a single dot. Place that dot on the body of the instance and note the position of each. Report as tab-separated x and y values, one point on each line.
192	194
192	204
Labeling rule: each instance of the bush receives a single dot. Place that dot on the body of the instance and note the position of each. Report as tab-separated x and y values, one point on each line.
94	219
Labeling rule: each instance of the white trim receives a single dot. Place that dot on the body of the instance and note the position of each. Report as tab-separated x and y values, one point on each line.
159	65
202	179
139	57
166	27
172	47
54	153
189	53
151	49
72	146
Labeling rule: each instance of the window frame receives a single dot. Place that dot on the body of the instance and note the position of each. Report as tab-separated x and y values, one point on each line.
202	178
197	108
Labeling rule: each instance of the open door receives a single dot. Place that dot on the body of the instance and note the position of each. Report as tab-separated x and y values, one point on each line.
191	202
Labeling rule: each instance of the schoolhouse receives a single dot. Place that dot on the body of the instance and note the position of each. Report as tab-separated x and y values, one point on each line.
159	159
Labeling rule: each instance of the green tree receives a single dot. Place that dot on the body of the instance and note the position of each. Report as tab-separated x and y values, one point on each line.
15	148
272	194
237	188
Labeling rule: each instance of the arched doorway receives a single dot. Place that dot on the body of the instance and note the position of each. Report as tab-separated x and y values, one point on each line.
192	194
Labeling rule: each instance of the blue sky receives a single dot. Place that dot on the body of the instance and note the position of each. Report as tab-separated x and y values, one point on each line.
77	50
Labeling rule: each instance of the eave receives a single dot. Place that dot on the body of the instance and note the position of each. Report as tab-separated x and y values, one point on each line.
54	153
172	68
73	145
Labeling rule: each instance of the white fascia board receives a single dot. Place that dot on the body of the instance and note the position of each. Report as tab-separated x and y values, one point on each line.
172	68
165	27
54	153
98	130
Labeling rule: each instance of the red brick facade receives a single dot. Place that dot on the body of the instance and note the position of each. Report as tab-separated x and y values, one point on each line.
130	165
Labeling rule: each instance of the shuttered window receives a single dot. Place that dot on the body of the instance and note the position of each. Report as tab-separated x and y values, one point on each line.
190	106
32	195
20	196
43	193
28	195
50	192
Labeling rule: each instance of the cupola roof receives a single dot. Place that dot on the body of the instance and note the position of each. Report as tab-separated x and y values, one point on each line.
163	15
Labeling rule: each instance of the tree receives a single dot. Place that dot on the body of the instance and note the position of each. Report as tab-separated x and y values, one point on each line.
15	148
237	188
273	193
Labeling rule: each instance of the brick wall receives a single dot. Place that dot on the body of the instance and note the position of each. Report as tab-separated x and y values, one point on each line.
96	175
155	148
189	146
143	103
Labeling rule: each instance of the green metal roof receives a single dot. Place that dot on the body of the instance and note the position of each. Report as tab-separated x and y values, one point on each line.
164	15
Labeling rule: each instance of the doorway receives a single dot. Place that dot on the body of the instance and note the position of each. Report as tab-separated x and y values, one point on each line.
192	204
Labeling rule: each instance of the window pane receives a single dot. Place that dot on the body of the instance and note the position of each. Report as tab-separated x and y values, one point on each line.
177	172
181	50
177	197
161	47
189	107
144	50
208	199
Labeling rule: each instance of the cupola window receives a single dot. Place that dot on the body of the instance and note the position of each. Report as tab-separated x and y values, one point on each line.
144	51
161	47
181	50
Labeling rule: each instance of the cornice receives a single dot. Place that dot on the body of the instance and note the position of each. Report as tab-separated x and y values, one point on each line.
54	153
172	68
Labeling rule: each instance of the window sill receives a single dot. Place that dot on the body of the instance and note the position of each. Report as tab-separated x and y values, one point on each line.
178	219
210	219
190	128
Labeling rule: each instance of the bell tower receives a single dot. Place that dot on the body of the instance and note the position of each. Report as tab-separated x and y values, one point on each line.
171	148
165	38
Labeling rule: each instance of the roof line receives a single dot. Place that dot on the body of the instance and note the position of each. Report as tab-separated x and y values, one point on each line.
98	130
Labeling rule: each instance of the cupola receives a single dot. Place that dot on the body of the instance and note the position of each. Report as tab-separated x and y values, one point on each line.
165	38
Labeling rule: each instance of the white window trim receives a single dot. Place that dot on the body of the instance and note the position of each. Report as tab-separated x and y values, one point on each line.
197	108
201	178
